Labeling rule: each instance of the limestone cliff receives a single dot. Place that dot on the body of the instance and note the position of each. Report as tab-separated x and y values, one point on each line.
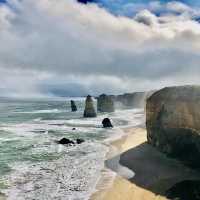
136	99
173	122
107	103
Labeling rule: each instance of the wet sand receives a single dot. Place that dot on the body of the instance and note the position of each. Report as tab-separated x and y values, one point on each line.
2	197
154	172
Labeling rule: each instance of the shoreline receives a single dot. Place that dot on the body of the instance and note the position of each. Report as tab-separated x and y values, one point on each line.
154	172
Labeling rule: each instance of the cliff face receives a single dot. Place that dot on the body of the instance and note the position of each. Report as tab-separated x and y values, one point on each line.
173	122
108	103
130	100
136	99
105	103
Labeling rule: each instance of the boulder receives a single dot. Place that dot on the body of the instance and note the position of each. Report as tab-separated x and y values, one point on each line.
89	108
173	122
79	141
107	123
65	141
105	103
73	106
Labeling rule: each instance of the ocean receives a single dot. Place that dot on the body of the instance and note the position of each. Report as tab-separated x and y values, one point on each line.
34	166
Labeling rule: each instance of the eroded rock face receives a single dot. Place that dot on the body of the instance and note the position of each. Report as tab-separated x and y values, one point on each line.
173	122
135	99
89	108
105	103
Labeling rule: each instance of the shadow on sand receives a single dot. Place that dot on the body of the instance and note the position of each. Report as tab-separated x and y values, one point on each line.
153	170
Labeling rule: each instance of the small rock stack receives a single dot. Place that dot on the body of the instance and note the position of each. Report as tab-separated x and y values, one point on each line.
89	108
73	106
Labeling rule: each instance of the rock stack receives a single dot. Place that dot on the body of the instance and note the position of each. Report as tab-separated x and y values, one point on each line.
105	103
173	122
73	106
89	108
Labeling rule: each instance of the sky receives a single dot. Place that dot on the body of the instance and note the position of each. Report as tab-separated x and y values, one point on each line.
74	48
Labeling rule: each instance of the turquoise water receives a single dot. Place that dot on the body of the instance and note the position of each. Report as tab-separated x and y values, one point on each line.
32	164
16	146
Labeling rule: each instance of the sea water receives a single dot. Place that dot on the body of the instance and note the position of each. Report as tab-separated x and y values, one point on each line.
34	166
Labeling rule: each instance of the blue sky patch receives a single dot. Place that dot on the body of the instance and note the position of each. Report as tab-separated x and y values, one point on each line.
130	7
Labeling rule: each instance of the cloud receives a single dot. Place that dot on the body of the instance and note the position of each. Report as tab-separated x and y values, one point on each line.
49	42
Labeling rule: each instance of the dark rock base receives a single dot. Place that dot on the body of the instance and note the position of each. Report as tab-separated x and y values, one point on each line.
182	144
185	190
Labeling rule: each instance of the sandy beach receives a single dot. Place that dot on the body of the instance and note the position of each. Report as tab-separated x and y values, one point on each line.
152	172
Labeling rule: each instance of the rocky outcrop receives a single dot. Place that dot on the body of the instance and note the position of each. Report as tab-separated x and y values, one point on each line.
73	106
89	108
70	142
107	123
173	122
65	141
105	103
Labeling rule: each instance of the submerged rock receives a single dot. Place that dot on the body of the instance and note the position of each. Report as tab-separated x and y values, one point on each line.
65	141
105	103
107	123
173	122
79	141
89	108
73	106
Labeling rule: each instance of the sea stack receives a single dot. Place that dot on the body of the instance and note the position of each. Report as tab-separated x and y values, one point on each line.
89	108
73	106
173	122
105	103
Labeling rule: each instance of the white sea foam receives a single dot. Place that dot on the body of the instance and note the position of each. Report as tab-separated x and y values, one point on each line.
70	177
42	111
74	174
